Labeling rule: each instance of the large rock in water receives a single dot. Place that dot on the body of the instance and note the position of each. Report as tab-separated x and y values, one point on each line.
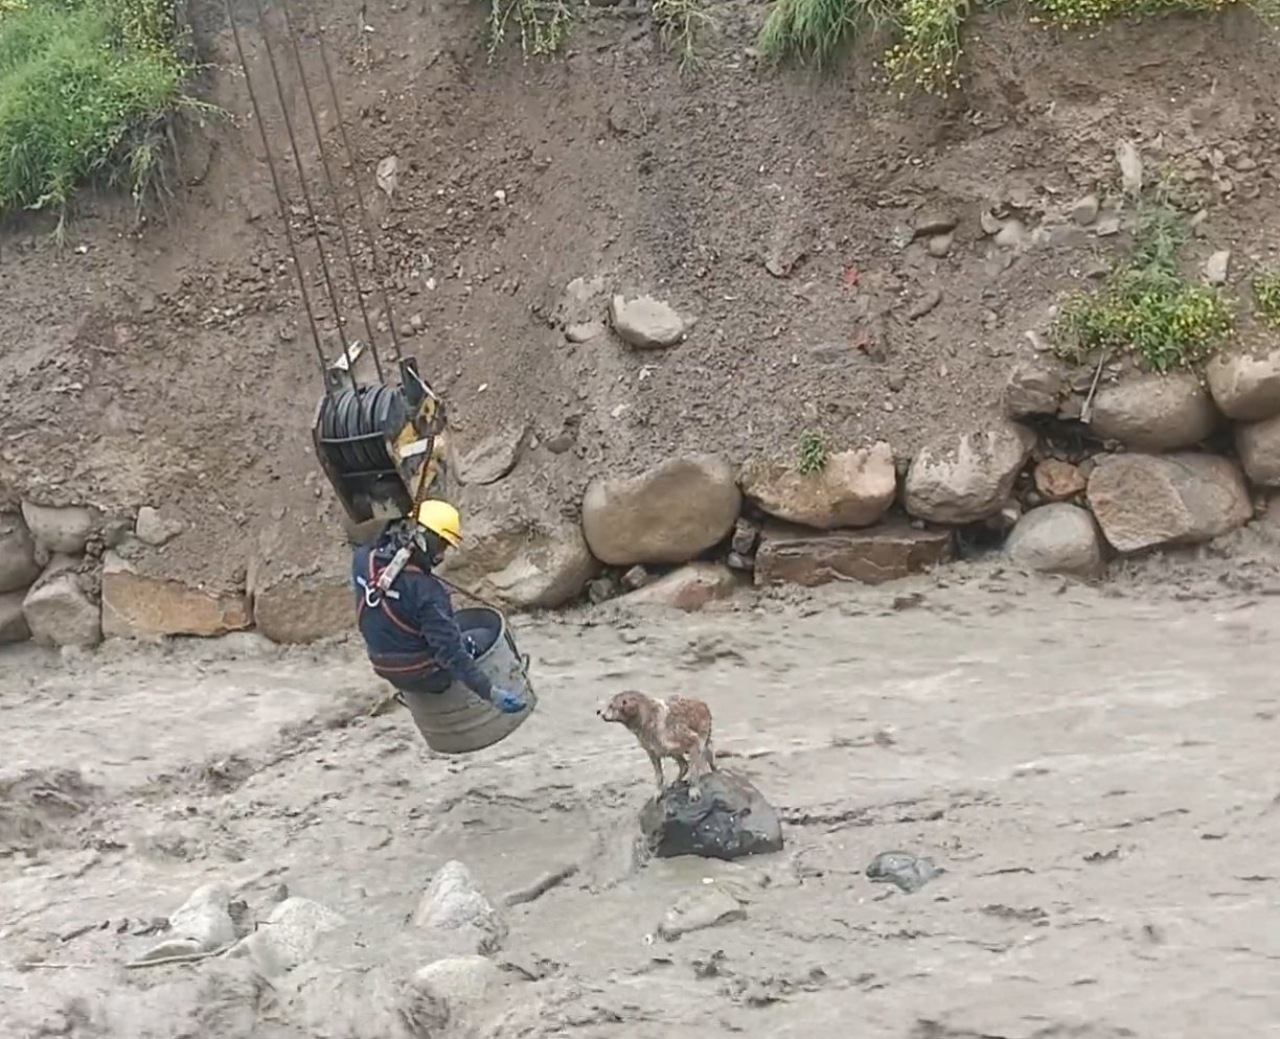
1246	386
689	589
792	555
18	566
853	489
1056	539
1154	412
667	514
1258	444
1141	501
967	478
730	821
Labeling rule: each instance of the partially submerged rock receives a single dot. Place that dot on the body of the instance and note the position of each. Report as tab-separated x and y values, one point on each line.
1246	384
690	588
907	872
793	555
730	820
1141	501
1154	412
455	905
853	489
963	479
290	935
700	910
1056	539
667	514
1258	444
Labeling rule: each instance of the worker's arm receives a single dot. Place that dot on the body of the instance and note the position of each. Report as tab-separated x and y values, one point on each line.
440	632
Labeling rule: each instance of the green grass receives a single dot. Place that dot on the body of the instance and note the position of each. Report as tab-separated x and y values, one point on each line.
87	90
541	26
1146	307
927	36
1266	296
812	454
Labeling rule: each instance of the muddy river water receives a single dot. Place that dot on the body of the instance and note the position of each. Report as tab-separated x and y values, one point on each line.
1096	773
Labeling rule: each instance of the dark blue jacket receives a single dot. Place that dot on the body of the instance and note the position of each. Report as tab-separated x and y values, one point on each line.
412	637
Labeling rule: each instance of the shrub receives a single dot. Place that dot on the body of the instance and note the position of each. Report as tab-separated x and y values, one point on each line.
86	91
1266	297
1146	306
812	453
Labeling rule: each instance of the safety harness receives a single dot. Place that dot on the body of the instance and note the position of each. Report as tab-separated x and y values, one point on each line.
378	595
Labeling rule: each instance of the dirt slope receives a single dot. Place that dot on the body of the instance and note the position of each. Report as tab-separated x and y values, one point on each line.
172	367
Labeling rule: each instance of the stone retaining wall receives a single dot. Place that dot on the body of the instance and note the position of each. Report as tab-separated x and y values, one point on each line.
1068	481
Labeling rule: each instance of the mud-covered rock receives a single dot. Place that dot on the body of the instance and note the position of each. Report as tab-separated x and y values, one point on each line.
1056	539
1141	501
645	322
62	530
297	608
1258	444
731	820
522	562
453	904
690	588
700	910
494	456
462	982
137	604
18	565
793	555
13	622
59	613
667	514
907	872
1057	480
1033	389
1154	412
1246	384
289	936
966	478
205	917
853	489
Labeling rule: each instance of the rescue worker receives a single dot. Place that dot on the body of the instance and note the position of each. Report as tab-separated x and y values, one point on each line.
405	614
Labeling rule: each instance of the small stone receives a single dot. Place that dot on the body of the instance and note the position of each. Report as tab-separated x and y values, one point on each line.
1056	539
887	552
153	529
59	613
1141	501
689	588
1130	161
1011	234
1085	210
1057	480
60	530
966	478
1258	444
1246	384
1217	266
990	223
853	489
1108	226
731	820
494	456
1032	389
602	589
907	872
745	535
646	323
699	911
636	577
926	304
933	224
1154	412
584	331
940	245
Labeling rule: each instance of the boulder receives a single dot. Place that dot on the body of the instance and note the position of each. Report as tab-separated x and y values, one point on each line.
290	936
668	514
62	530
18	566
690	588
1057	480
454	904
494	456
1056	539
853	489
1141	501
792	555
966	478
1033	389
154	528
1154	412
731	820
1258	444
522	563
59	613
462	982
141	605
304	607
645	323
1246	385
205	918
13	622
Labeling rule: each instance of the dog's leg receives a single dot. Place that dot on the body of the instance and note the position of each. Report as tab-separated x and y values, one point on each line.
709	755
698	769
657	772
683	762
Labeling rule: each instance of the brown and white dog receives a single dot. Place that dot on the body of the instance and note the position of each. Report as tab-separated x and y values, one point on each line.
679	728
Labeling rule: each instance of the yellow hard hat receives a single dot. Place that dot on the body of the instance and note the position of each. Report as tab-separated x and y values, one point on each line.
441	519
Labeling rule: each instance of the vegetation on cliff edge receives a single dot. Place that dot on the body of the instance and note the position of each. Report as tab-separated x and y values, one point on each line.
87	91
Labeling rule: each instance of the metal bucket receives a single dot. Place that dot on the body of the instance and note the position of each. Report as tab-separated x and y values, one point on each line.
459	722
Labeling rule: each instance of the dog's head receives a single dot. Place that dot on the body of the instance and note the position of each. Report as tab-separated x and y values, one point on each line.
624	708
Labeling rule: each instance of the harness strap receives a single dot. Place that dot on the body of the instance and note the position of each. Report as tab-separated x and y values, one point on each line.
369	584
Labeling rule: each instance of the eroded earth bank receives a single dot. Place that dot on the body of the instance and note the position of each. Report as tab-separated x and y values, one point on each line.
1094	770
